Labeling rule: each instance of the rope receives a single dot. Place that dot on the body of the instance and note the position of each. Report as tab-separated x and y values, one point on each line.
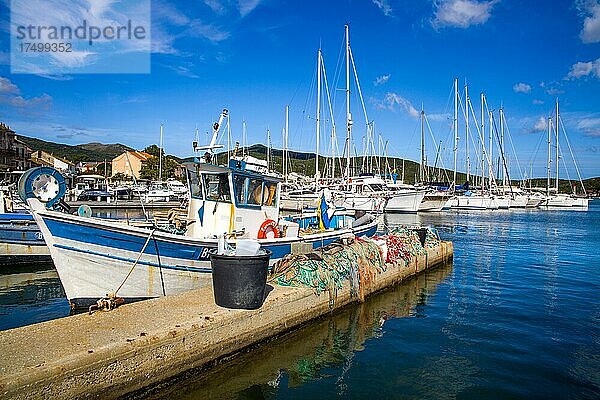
136	261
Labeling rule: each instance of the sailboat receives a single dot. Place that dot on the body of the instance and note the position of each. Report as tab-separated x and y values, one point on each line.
555	199
368	192
160	191
434	199
469	199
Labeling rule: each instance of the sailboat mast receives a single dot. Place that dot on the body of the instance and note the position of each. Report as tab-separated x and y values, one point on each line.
556	123
455	130
318	115
422	172
467	132
549	153
160	151
482	138
285	144
348	116
491	155
502	153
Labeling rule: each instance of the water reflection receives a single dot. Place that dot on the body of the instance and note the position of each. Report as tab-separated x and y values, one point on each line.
323	349
30	295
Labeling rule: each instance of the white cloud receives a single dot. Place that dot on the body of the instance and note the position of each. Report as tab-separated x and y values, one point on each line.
7	87
207	31
393	100
540	125
581	69
10	95
554	91
380	80
245	7
462	13
590	126
522	88
186	70
384	6
538	102
215	5
590	33
163	11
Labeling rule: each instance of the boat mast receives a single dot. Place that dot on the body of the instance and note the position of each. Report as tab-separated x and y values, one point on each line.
285	144
482	139
160	150
455	130
556	129
467	132
505	167
491	155
549	152
348	116
318	116
422	171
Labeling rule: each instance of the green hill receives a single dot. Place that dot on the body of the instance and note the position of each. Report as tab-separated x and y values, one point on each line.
77	153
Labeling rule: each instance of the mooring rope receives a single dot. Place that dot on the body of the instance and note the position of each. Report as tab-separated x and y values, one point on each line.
136	261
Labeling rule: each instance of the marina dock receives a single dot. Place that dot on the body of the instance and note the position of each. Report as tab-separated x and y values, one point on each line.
109	354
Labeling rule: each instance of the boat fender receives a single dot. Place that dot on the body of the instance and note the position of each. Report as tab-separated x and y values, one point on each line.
268	226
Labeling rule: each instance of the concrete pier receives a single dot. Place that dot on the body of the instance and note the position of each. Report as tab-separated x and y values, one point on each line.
109	354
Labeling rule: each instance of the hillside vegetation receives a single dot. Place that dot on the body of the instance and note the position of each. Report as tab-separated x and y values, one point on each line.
77	153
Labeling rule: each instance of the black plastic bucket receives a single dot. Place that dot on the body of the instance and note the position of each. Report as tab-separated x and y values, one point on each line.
422	232
240	281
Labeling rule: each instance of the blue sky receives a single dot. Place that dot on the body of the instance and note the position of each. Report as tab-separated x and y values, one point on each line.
256	56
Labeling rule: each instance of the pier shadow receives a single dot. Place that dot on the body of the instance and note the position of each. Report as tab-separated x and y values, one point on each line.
316	350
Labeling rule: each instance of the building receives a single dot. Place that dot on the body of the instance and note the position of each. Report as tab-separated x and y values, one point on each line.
129	163
14	154
41	157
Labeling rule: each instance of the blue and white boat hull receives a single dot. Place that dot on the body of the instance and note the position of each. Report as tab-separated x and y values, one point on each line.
21	241
93	257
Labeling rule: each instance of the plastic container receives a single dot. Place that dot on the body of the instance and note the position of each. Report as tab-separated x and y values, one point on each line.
247	247
422	232
240	281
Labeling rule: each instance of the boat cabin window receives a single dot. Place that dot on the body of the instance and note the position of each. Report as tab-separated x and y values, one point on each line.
216	187
251	191
195	188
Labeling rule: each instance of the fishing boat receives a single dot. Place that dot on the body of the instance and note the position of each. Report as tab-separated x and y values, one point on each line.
21	241
96	257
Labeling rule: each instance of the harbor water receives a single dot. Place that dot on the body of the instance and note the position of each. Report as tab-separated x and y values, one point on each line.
517	315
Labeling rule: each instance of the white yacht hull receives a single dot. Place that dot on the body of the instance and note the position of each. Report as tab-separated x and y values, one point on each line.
407	202
474	202
433	202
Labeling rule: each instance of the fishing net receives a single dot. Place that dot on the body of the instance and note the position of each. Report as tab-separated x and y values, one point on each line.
327	268
357	261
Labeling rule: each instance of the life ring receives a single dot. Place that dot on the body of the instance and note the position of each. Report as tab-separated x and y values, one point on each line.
268	226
